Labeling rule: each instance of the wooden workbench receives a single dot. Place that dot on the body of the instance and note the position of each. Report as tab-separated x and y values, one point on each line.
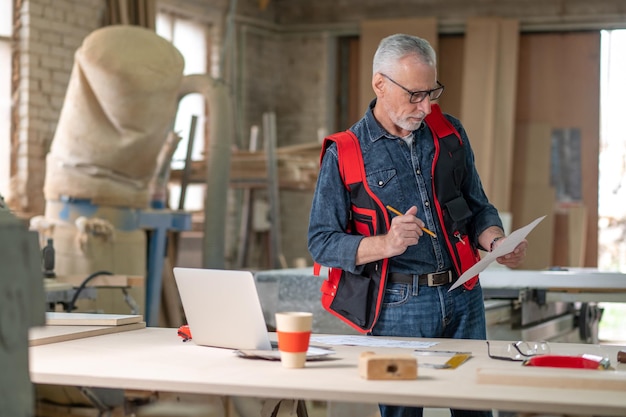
156	359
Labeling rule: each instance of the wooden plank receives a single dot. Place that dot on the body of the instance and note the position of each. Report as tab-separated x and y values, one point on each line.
577	226
270	141
53	334
90	319
372	32
480	65
530	202
554	378
103	280
170	299
602	290
51	284
246	209
490	72
298	166
504	120
571	229
532	194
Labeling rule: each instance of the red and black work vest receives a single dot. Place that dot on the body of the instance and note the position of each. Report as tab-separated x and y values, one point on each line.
357	298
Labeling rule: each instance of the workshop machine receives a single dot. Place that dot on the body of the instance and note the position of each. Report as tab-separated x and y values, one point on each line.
552	305
560	305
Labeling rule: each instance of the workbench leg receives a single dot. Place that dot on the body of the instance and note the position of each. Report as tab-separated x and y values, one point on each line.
156	254
301	410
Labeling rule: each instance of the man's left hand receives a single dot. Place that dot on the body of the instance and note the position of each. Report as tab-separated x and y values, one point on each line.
515	258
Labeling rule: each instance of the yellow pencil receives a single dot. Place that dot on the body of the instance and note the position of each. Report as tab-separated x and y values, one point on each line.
396	212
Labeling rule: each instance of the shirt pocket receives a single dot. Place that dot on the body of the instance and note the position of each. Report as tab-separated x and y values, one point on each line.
386	185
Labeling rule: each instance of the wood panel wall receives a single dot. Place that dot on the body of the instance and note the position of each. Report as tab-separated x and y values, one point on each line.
557	87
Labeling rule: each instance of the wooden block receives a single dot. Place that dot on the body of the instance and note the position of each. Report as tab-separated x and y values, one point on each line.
373	366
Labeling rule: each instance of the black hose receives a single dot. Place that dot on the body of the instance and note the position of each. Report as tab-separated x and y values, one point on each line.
82	286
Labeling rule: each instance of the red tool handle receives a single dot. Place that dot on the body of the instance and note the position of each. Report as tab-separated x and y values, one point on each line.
560	361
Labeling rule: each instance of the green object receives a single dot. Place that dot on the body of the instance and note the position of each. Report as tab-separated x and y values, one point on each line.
22	305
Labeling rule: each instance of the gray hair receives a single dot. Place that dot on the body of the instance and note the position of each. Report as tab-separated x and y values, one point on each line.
392	48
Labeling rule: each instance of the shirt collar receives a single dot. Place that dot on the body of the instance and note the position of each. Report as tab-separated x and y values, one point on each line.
374	129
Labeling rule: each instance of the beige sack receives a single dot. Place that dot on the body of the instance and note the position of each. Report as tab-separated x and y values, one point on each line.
119	107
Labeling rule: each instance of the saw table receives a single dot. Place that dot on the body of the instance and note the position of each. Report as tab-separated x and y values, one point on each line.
553	305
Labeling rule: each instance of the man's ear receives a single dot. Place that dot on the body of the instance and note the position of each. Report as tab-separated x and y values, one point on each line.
378	83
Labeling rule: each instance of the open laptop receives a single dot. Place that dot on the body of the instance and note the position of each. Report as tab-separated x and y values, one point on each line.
222	308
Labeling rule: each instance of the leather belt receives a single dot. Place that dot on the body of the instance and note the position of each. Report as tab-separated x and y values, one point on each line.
432	280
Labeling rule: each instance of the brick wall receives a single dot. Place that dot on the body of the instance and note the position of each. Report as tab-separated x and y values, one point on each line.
286	74
48	34
301	112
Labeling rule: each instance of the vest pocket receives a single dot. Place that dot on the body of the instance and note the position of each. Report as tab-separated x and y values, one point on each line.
458	210
364	221
468	256
354	307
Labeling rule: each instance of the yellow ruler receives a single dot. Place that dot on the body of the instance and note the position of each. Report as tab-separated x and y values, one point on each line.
456	358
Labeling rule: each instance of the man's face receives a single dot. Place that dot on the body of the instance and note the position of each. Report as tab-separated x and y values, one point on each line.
400	116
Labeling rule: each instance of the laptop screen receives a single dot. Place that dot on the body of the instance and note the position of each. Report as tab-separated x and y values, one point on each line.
222	308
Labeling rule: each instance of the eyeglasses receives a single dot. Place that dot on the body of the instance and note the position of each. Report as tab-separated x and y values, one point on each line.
419	96
518	351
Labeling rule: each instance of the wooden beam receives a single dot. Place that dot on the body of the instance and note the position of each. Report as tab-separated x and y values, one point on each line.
490	76
532	196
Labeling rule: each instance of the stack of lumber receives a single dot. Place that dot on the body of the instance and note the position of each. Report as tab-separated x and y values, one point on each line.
298	166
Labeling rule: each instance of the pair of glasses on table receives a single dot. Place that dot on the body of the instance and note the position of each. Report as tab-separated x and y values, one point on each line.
516	351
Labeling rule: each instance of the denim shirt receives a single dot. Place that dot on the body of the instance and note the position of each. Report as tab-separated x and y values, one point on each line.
401	176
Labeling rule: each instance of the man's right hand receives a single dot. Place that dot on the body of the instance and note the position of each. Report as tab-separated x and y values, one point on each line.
404	231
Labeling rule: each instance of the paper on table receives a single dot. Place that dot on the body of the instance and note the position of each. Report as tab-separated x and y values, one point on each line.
313	353
507	246
371	341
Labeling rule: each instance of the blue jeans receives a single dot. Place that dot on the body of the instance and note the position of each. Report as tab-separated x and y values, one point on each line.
422	311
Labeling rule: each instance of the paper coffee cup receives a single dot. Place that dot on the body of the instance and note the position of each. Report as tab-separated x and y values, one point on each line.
293	329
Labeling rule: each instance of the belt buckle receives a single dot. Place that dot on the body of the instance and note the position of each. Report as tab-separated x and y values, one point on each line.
431	281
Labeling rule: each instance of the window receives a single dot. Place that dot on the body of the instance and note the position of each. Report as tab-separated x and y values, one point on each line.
612	184
190	38
6	29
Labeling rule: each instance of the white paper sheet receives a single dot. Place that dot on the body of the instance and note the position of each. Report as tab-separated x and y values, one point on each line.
370	341
507	246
